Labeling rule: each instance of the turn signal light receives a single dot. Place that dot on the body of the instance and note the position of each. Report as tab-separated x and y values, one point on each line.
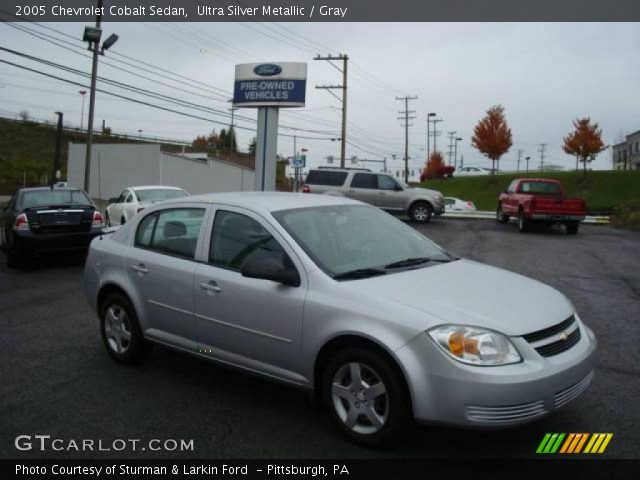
139	209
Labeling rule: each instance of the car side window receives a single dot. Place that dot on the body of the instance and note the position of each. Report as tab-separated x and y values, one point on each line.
121	197
385	182
364	180
449	201
237	239
128	198
173	231
511	187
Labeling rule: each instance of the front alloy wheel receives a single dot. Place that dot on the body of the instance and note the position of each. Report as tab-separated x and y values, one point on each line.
360	398
421	212
365	395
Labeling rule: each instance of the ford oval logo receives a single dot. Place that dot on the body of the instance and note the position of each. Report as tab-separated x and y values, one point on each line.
267	70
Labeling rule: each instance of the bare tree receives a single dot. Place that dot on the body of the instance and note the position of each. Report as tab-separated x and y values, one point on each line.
24	115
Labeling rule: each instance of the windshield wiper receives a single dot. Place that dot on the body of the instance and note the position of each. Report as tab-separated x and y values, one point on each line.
359	273
410	262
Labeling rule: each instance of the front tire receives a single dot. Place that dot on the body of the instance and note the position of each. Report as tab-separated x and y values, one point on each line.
121	333
523	223
421	212
572	227
365	396
501	216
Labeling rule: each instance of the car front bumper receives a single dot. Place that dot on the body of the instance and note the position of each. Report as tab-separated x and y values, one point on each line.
446	391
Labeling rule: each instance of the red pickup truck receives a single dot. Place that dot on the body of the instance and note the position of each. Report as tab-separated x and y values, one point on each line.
540	200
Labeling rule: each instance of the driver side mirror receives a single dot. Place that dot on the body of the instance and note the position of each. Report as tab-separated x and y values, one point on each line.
398	188
271	269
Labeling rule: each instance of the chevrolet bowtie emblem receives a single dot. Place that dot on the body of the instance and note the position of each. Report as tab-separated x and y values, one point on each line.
564	336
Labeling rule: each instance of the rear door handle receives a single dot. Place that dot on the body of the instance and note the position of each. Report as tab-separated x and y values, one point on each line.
141	269
210	287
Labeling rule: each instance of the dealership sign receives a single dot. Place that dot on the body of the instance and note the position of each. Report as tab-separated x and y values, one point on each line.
299	161
280	84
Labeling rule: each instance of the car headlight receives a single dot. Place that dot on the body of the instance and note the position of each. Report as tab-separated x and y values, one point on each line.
475	345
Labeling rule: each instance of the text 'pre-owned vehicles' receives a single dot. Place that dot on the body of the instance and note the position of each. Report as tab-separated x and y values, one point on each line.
540	200
135	199
377	189
338	297
43	219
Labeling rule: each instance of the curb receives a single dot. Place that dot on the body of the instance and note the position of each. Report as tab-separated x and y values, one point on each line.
486	215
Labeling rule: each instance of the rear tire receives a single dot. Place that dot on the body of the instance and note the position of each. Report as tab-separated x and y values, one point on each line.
421	212
523	223
572	227
365	396
120	330
500	215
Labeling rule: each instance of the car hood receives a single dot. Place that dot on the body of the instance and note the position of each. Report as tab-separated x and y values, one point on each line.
419	190
470	293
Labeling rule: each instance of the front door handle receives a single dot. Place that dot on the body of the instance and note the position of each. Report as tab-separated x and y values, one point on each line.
140	269
210	287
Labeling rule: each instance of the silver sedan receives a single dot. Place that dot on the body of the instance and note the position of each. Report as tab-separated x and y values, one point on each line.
337	297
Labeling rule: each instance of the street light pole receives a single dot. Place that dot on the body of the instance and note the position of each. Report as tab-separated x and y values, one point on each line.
83	93
455	153
92	98
56	158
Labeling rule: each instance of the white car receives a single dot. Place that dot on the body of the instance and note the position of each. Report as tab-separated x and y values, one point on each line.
471	171
135	199
453	204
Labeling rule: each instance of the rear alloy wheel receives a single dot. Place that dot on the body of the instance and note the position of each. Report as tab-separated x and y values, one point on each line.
365	396
421	212
500	215
572	227
120	330
523	223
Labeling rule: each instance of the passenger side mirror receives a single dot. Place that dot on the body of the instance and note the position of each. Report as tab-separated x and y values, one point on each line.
271	269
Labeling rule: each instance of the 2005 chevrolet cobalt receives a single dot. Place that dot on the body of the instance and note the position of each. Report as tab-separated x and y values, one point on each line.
338	297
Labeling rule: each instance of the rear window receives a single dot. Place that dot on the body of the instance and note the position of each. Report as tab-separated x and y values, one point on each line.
324	177
52	198
543	188
159	194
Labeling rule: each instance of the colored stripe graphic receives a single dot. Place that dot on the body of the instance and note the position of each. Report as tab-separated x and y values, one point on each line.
573	443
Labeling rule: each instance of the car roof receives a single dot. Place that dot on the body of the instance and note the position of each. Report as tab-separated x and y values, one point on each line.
267	201
40	189
553	180
150	187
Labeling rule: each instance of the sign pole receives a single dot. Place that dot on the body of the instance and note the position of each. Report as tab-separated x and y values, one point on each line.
266	149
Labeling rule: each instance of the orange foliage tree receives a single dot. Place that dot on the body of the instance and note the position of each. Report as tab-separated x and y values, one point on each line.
200	142
435	167
492	136
585	142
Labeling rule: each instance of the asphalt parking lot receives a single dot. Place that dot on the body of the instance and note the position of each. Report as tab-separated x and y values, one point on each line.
57	379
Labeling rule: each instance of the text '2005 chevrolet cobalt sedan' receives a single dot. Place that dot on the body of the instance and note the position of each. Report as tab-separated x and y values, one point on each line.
338	297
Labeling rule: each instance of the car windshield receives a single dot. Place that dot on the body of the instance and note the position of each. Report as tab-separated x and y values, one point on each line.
50	198
543	188
158	194
350	238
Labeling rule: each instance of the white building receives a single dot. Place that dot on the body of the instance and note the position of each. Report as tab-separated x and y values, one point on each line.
117	166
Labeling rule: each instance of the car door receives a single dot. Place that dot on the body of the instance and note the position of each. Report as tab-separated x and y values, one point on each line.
390	196
115	211
252	323
364	187
161	266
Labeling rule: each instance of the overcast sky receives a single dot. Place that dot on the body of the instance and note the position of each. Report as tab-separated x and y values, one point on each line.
545	75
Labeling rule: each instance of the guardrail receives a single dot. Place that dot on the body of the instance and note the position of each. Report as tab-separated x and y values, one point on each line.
488	215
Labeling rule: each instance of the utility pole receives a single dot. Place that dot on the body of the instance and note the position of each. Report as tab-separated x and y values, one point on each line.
543	146
455	152
56	158
436	132
344	59
519	155
429	115
406	126
452	136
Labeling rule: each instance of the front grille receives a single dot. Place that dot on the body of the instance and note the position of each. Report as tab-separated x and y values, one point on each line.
548	332
510	413
560	346
565	396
